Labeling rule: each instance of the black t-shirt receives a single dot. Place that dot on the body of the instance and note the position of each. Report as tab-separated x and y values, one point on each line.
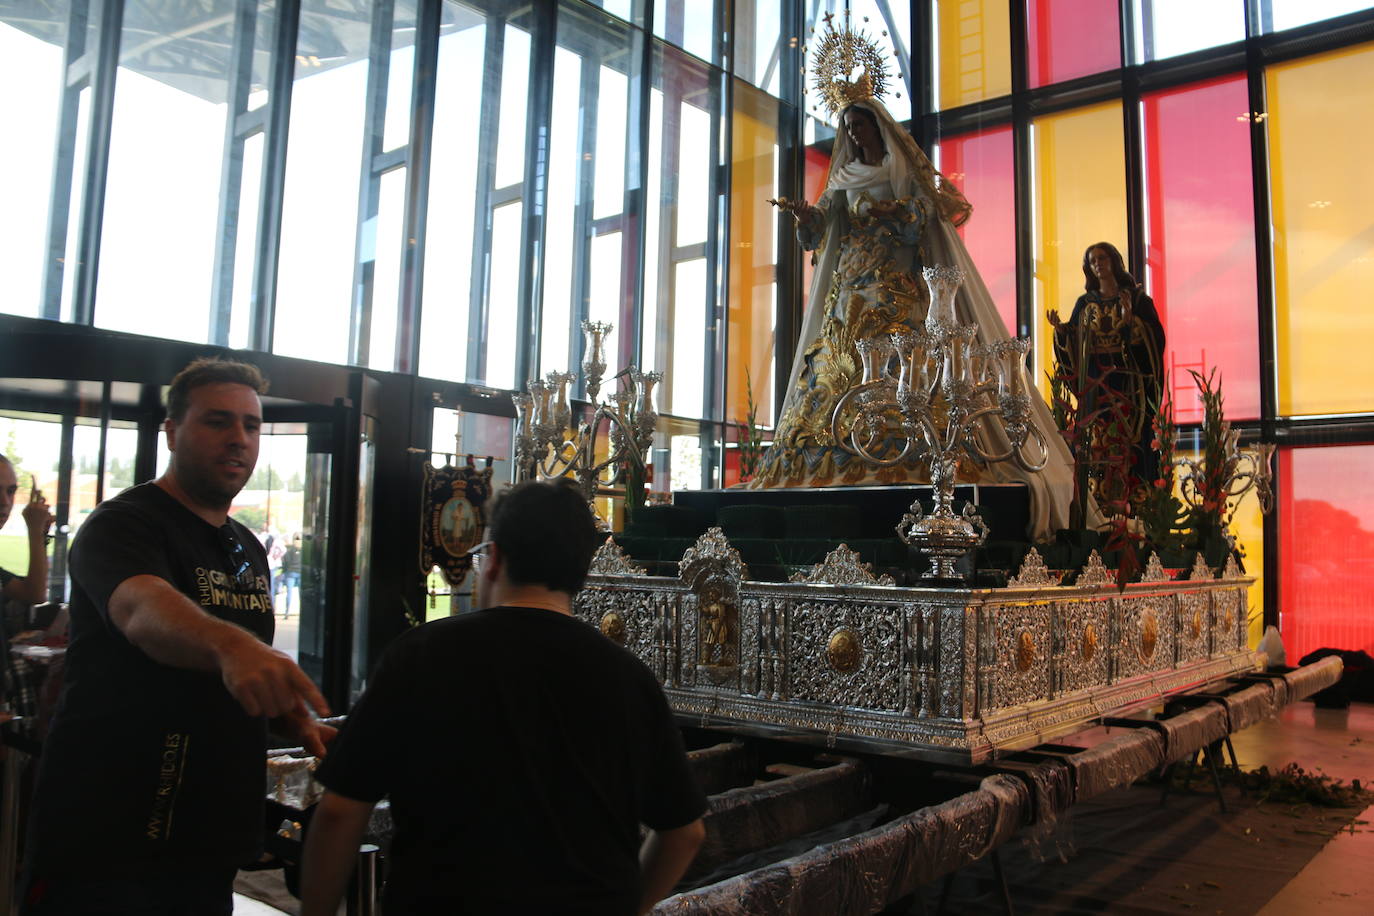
149	767
521	750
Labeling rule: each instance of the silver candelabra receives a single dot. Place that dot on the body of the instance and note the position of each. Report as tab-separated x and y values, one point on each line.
627	419
1242	470
950	398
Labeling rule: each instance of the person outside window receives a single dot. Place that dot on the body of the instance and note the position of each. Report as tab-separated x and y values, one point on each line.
291	573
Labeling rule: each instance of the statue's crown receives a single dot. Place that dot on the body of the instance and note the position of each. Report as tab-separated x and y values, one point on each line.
838	55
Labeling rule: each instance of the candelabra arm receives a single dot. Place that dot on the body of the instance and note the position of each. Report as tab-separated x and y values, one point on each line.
972	443
1020	454
844	401
857	449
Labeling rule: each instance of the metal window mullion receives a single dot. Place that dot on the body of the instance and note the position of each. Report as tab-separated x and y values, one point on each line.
1266	294
369	184
489	122
1146	25
1133	150
925	117
1023	192
396	158
636	203
57	573
628	312
421	147
64	161
231	175
900	51
507	195
715	393
281	82
583	222
250	122
670	149
791	183
538	127
103	74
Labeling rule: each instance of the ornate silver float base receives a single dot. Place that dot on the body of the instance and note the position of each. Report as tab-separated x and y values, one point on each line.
959	675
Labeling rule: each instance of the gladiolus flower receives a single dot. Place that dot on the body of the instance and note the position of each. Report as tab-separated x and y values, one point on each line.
1161	483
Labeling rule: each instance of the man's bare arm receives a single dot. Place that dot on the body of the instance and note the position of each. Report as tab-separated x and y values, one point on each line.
171	629
331	851
664	858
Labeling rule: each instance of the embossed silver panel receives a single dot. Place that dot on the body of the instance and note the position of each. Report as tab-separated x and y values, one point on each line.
1194	626
1084	629
876	683
1145	635
946	674
1021	654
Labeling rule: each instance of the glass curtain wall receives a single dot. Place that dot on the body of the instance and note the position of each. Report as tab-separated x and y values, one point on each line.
31	55
1221	160
442	187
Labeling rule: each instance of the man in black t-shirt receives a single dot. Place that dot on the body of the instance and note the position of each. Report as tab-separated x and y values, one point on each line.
520	748
150	786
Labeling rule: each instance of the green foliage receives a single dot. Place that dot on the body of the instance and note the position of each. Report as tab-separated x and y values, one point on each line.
119	472
12	447
1060	405
751	434
254	518
264	478
14	553
1211	515
1160	511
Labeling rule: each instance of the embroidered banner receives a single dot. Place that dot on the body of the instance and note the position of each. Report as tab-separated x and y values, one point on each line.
453	516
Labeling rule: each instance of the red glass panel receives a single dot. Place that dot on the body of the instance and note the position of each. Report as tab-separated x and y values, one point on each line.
816	168
980	165
1326	548
1201	242
1071	38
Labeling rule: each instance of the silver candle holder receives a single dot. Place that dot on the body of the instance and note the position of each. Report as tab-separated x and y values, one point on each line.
548	447
946	388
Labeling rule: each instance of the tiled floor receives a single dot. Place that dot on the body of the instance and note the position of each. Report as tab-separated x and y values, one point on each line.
1340	879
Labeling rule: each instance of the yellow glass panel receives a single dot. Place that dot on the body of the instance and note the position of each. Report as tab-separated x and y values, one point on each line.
1247	524
1248	527
975	51
1319	141
1080	199
754	244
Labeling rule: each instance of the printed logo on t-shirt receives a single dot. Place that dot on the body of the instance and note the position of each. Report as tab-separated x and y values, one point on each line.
218	589
171	766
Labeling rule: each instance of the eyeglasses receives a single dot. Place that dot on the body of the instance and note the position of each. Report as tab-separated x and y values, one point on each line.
238	557
478	553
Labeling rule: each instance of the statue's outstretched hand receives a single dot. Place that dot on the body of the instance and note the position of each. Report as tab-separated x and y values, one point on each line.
800	209
1053	316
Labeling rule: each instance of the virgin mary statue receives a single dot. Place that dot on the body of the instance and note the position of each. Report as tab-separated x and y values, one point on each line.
885	214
